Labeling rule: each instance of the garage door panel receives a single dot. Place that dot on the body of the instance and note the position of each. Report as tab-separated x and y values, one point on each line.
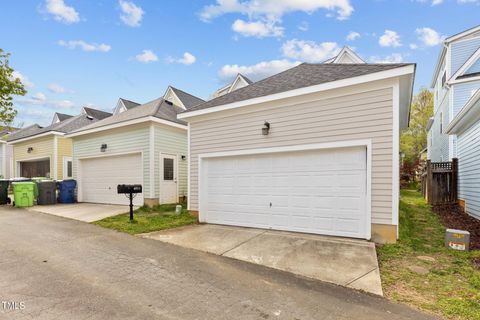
99	178
321	191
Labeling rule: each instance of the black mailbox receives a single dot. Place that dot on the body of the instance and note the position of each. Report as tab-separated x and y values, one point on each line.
129	188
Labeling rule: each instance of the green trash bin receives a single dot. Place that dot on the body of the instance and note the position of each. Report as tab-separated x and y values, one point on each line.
23	193
4	191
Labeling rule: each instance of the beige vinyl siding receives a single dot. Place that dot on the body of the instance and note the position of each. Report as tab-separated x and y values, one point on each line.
123	140
171	141
42	148
338	115
64	149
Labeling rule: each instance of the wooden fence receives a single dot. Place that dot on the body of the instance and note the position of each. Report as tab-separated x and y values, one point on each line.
439	182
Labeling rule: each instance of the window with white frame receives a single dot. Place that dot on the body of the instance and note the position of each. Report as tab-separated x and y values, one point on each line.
67	168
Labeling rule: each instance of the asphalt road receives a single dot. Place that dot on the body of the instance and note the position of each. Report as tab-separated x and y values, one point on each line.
56	268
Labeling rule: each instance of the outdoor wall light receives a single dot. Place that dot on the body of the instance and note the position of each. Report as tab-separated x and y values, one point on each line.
266	128
184	157
103	148
30	149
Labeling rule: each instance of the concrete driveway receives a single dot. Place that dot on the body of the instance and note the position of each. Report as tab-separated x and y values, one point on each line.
346	262
86	212
66	269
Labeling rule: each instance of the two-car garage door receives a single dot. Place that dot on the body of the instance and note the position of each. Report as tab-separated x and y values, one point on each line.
321	191
99	178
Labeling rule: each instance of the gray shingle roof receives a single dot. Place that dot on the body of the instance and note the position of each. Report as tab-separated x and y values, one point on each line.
157	108
97	114
129	104
66	126
187	99
62	116
303	75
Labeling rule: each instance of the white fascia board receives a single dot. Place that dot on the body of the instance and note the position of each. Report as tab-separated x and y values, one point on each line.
441	57
37	136
468	115
462	34
128	123
348	52
470	61
467	79
409	69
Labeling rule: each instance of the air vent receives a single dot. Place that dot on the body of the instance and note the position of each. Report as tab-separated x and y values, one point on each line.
169	102
89	117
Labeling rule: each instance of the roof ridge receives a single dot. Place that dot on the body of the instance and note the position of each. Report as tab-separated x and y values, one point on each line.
183	91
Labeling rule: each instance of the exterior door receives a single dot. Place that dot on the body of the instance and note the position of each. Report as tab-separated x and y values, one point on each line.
168	179
319	191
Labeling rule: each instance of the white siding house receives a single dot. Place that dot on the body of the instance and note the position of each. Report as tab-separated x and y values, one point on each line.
140	144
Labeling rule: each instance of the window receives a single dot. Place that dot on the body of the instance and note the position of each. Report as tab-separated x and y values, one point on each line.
67	168
167	169
441	122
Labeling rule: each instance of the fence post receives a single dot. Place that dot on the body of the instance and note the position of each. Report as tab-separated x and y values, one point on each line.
454	179
429	181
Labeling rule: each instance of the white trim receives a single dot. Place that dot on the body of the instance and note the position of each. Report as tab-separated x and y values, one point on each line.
128	123
66	159
55	133
79	169
152	161
317	146
237	79
4	160
396	154
55	158
188	168
348	52
463	80
470	61
409	69
175	176
170	89
462	34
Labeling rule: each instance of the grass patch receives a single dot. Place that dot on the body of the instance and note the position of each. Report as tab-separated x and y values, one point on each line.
148	219
451	286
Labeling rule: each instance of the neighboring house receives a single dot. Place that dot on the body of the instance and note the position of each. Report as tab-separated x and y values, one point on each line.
454	130
240	81
145	144
45	151
313	149
456	77
124	105
346	55
6	154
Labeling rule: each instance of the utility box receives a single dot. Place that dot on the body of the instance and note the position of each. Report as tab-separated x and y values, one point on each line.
457	239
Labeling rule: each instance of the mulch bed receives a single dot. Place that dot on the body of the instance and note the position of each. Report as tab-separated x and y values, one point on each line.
453	217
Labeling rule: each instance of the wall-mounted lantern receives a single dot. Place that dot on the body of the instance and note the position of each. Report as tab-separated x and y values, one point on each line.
103	148
30	149
184	157
266	128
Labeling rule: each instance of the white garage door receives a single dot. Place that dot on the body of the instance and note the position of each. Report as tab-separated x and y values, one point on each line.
99	178
322	191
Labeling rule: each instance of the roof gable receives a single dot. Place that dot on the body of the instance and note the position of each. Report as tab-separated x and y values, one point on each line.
58	117
181	98
239	82
124	105
346	55
471	66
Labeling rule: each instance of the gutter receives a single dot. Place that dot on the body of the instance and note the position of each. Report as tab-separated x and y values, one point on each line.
44	134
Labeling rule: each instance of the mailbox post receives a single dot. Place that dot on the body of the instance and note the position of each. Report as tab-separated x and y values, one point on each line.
130	190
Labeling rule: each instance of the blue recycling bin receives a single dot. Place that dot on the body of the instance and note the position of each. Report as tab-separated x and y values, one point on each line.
66	191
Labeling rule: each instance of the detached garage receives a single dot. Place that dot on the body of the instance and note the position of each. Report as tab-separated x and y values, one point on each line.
313	149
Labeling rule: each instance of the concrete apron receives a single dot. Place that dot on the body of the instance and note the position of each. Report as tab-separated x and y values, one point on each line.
87	212
346	262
